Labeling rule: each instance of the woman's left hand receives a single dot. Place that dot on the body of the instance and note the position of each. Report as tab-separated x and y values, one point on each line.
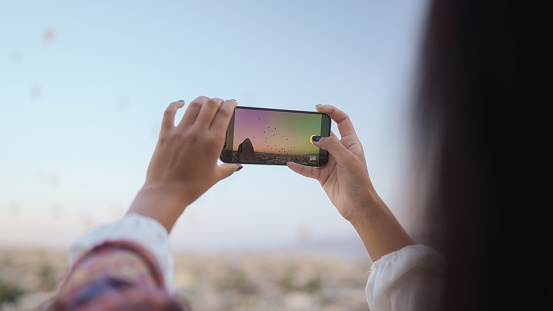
184	164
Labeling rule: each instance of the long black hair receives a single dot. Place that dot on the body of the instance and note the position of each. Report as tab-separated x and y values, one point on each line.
483	113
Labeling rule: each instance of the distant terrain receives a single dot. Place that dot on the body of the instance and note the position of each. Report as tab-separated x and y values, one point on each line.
210	281
276	158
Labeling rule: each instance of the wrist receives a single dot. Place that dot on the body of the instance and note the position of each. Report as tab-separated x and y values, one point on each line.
378	228
159	203
178	192
368	206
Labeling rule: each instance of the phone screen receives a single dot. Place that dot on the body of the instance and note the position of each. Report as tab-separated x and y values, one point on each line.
274	136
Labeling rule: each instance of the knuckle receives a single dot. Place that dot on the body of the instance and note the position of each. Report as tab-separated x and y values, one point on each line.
169	111
343	117
193	136
195	104
205	136
201	99
163	138
327	140
214	102
198	101
226	112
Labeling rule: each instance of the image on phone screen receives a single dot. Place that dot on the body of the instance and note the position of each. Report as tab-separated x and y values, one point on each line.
274	136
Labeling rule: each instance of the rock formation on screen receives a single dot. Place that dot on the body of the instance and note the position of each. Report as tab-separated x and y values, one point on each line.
245	151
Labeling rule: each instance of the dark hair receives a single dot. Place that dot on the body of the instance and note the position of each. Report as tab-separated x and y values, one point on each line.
483	115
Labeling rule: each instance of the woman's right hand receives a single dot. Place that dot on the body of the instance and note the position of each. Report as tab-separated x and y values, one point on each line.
345	177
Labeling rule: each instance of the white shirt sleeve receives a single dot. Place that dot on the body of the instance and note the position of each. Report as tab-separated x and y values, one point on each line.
132	227
408	279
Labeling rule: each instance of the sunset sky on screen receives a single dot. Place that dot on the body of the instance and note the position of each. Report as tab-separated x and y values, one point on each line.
277	132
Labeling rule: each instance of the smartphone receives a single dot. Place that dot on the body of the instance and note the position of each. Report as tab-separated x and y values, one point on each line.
275	136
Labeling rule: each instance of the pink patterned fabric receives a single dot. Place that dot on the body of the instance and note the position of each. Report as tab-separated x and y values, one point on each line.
115	275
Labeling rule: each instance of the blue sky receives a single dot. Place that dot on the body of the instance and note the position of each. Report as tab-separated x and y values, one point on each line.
83	85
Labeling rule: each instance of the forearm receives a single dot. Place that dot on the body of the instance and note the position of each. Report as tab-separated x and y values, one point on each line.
378	228
159	204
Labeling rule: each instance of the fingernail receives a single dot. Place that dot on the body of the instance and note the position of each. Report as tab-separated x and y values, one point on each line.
239	168
180	100
234	100
316	138
318	104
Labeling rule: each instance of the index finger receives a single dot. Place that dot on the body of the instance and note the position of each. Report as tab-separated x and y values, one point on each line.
169	115
341	118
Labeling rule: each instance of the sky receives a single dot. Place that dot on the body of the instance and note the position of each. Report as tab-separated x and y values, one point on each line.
83	87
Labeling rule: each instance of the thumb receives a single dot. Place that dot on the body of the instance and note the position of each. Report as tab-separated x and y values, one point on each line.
332	145
227	169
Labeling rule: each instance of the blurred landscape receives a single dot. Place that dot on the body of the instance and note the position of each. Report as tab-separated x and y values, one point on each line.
210	281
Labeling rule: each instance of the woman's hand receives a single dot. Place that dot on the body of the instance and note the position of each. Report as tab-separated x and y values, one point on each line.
345	179
184	164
